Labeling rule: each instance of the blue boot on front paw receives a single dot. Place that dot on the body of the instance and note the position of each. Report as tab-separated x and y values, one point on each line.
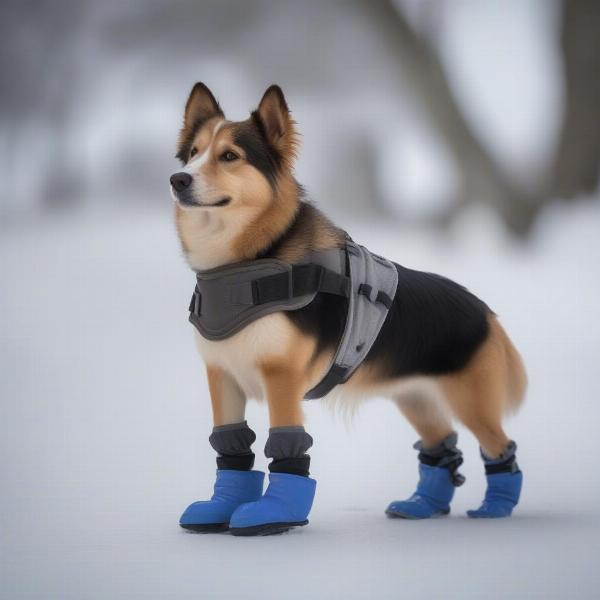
285	504
432	498
232	488
504	482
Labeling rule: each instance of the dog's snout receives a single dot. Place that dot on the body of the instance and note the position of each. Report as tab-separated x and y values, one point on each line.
181	181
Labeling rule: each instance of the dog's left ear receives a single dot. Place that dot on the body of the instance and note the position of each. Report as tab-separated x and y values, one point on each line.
276	124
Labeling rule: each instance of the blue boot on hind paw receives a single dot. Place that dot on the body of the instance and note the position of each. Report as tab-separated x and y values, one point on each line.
232	488
286	504
438	477
432	498
501	497
504	483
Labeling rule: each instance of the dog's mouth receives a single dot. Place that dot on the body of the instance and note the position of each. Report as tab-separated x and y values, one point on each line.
187	202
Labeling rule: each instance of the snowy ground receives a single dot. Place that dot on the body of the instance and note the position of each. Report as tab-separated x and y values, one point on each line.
104	418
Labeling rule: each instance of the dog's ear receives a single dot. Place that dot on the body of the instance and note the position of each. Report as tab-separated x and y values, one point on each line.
200	106
277	126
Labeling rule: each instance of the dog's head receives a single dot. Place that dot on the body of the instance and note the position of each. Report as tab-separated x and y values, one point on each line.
235	174
227	165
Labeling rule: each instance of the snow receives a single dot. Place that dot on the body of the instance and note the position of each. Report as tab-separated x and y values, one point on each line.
104	418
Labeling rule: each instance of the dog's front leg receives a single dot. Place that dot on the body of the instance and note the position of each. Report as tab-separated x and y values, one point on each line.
231	437
289	496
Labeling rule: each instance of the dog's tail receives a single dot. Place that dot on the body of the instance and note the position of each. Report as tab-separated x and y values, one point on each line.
516	374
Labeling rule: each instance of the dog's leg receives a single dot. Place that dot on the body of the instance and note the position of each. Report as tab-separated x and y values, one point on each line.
231	437
479	396
227	398
425	412
439	458
288	499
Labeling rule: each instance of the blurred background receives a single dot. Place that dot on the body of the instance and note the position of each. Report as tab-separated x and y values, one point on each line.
455	136
436	105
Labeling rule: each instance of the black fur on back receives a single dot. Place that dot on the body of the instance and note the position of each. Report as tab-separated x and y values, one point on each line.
433	327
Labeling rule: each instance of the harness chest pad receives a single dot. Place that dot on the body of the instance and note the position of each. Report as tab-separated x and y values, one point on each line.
228	298
223	301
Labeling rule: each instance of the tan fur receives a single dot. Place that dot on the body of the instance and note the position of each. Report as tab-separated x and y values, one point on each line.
482	393
227	398
268	224
268	339
516	374
424	413
284	384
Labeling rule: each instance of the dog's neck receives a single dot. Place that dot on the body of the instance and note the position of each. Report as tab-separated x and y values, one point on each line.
288	229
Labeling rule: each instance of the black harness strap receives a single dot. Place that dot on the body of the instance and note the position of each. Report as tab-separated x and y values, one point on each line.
301	280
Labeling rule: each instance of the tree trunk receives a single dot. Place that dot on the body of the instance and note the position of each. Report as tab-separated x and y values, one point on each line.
576	167
483	179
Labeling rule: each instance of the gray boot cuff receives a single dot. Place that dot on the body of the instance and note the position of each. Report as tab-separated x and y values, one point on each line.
232	439
287	442
446	446
507	454
445	454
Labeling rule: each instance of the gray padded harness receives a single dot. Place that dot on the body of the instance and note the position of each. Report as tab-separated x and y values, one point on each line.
228	298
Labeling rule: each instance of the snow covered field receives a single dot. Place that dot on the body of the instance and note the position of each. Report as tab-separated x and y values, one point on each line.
104	418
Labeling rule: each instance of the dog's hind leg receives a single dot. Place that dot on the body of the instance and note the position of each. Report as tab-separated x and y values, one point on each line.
479	396
424	409
439	458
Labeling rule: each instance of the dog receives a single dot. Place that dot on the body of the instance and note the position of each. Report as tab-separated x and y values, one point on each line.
437	351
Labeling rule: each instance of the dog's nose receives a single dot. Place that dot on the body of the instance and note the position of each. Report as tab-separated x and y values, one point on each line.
181	181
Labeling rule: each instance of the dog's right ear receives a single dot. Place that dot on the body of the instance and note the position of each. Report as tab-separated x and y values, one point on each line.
200	107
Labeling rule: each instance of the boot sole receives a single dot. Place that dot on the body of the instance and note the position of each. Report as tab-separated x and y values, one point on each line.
206	528
407	517
265	529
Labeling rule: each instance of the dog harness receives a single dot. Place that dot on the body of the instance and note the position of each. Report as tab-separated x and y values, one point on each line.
228	298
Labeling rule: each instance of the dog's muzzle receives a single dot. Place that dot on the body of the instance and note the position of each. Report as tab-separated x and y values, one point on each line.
182	184
181	181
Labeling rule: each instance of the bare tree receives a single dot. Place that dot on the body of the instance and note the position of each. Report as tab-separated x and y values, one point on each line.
576	167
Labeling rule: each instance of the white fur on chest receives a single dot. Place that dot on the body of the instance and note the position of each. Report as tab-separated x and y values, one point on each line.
242	353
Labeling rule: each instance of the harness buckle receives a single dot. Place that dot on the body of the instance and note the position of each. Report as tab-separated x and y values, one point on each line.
196	302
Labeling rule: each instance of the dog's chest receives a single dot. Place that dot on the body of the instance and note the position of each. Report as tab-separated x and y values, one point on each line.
242	354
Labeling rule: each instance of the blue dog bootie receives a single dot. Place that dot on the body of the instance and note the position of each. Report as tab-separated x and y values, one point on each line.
438	478
504	483
286	504
232	488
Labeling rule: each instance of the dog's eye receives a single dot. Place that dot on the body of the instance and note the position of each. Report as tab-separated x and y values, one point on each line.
228	156
193	152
